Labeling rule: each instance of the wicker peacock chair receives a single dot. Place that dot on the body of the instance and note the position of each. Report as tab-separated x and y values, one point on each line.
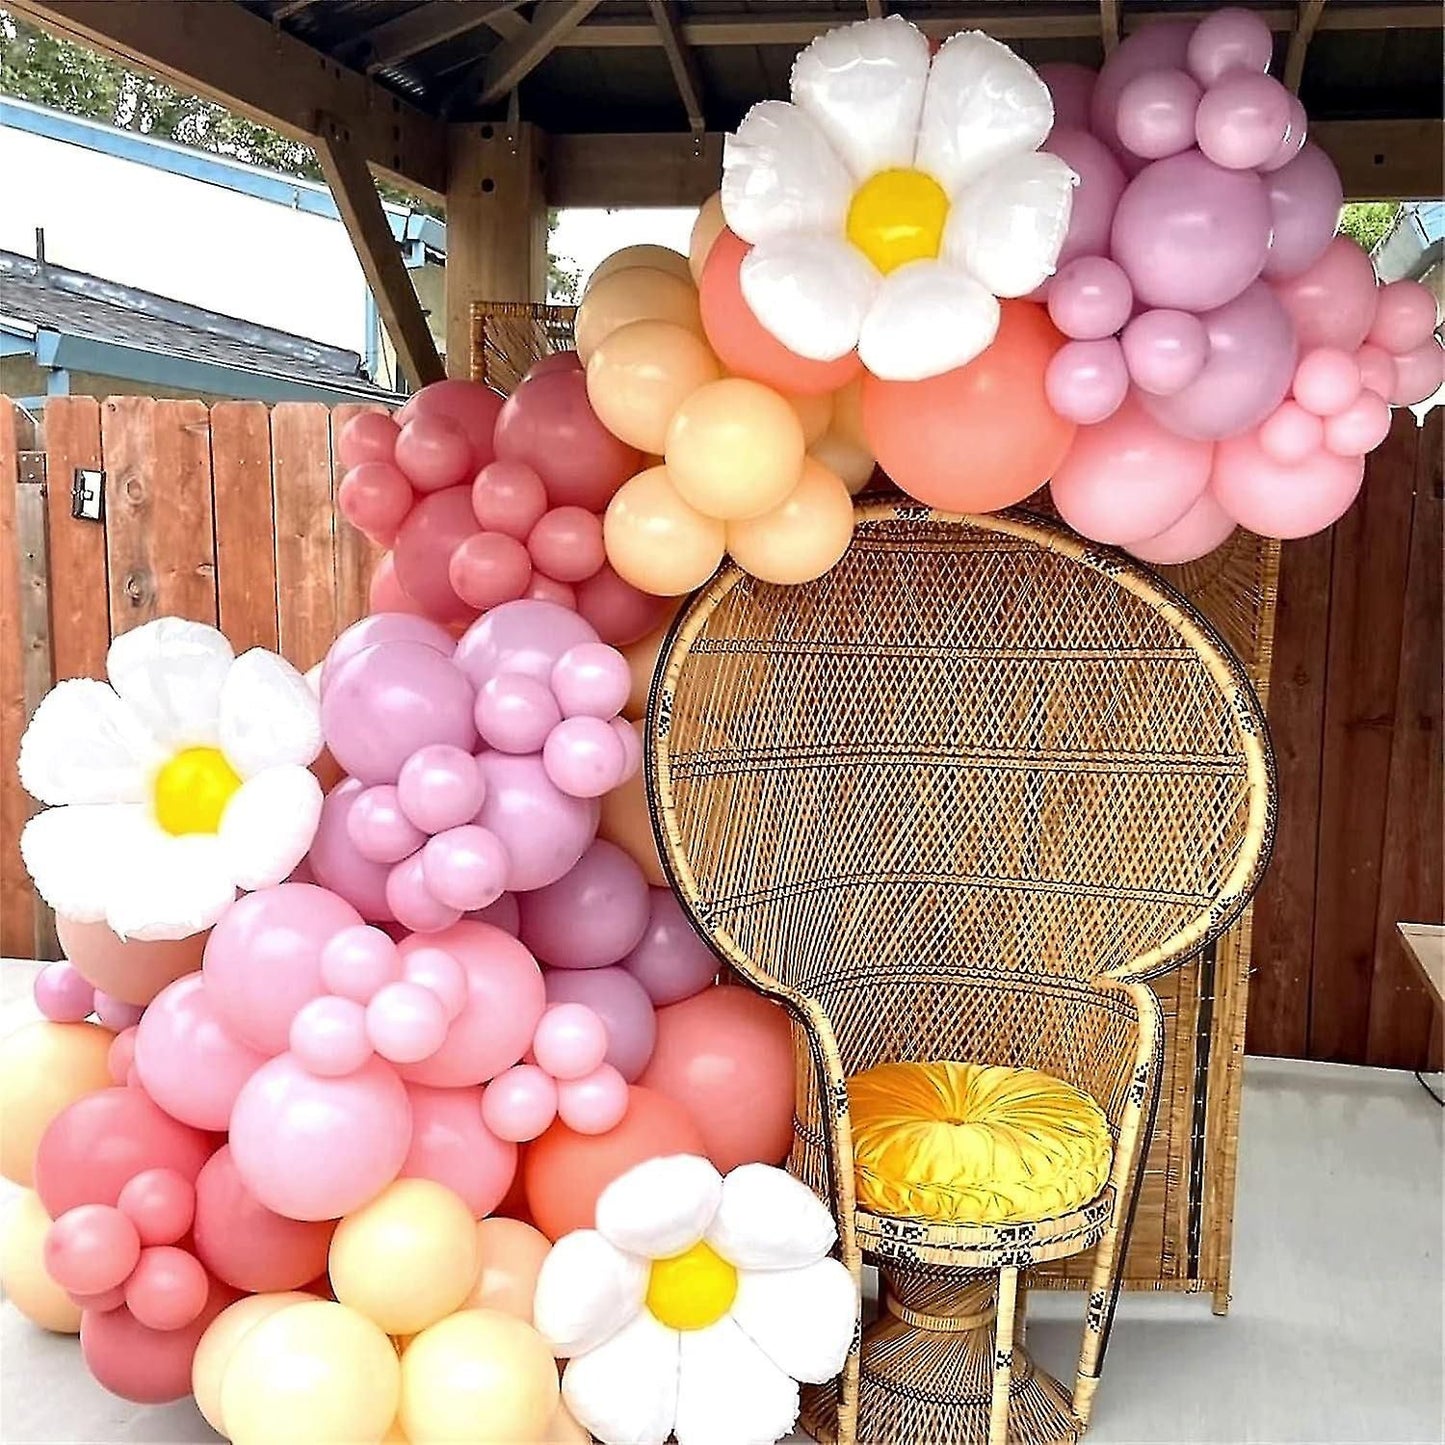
961	798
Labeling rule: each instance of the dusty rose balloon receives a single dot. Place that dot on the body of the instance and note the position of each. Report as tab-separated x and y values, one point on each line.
414	905
336	862
515	712
370	436
1071	87
671	961
1326	380
1290	433
160	1203
440	787
433	452
595	1103
566	544
385	594
451	1144
91	1249
168	1289
1090	298
63	994
1161	46
1406	314
1332	303
488	569
470	405
619	612
593	916
437	526
1226	41
465	868
1377	370
134	970
1418	374
508	497
1164	350
543	829
375	498
1087	380
622	1004
1360	427
1278	500
1305	197
1198	532
584	757
383	627
521	637
547	589
1243	119
1095	198
1155	115
520	1104
502	914
558	361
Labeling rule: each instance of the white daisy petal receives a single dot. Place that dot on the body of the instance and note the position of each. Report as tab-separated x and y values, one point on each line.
929	317
625	1391
586	1292
780	174
84	745
70	854
170	886
660	1207
269	824
1006	228
269	716
801	1319
864	85
170	671
983	105
769	1220
811	292
730	1392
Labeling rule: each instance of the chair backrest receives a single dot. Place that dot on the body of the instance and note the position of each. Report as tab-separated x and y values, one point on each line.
977	749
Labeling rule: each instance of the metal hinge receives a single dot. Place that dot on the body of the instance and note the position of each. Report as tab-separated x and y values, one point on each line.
31	467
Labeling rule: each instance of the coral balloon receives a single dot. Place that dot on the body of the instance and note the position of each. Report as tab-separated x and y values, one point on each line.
509	1258
218	1344
134	970
433	452
658	542
370	436
375	498
1279	500
27	1283
470	405
800	538
1333	302
508	497
640	375
488	569
620	1004
451	1145
435	528
567	544
1199	531
593	916
44	1068
620	612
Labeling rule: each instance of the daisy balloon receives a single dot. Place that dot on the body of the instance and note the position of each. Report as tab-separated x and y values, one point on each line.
896	197
696	1305
183	780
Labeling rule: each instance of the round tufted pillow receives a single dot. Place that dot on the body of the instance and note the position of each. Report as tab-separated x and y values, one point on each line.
974	1143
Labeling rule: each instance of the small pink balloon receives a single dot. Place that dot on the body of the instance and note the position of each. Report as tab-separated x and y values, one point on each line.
1164	350
438	524
433	453
370	436
593	916
435	970
114	1013
621	1002
412	903
440	787
1418	374
520	1104
451	1144
1162	45
379	829
1360	427
1156	113
357	961
671	961
1087	381
566	544
91	1248
168	1289
121	1058
631	746
1294	137
63	994
547	589
591	680
1326	380
160	1203
1333	301
1090	298
1243	120
1377	369
1305	196
595	1103
1290	433
619	613
571	1040
488	569
584	757
1071	86
1198	532
1278	500
1226	41
376	499
329	1036
406	1023
508	497
468	404
514	713
384	627
544	830
1095	198
465	868
1406	315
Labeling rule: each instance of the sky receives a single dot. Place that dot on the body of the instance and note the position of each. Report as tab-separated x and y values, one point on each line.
587	237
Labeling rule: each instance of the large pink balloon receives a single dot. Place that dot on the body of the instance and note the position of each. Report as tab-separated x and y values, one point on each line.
337	863
543	830
1096	197
451	1144
187	1059
623	1006
1406	315
1162	46
1071	87
470	405
1332	303
1247	374
1205	526
1418	374
525	636
435	528
1283	500
1190	234
1129	478
594	915
383	627
263	959
1305	197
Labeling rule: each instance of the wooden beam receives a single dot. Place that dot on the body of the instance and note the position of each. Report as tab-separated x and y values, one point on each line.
409	34
1109	23
515	59
673	169
682	62
225	53
1299	42
288	8
1385	160
874	9
376	249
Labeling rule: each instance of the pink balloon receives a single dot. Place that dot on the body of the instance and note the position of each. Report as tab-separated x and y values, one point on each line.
505	998
591	680
1071	88
378	828
470	405
566	544
440	974
1087	381
1418	374
571	1040
160	1203
91	1249
358	961
1164	350
437	526
631	746
1290	433
63	994
406	1023
1294	137
376	499
1332	303
593	916
620	1001
1198	532
114	1013
168	1289
549	424
1155	116
440	787
385	594
670	961
311	1148
514	712
465	868
338	865
1326	380
1190	234
1096	197
328	1036
488	569
1406	315
508	497
1243	120
1090	298
544	830
188	1059
525	637
433	452
1305	197
594	1103
1248	373
520	1104
1129	478
451	1144
547	589
263	960
1377	370
1283	500
1226	41
414	905
121	1058
1360	427
370	436
584	757
1161	46
383	627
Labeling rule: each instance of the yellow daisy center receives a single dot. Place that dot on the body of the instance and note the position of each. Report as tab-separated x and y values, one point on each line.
898	216
192	790
691	1290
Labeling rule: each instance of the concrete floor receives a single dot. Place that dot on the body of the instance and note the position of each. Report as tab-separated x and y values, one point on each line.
1334	1336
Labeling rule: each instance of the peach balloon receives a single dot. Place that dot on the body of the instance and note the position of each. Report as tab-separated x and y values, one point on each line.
814	413
852	465
641	664
635	293
627	822
847	423
564	1430
803	537
134	971
735	449
218	1344
22	1269
659	258
705	230
656	541
510	1255
640	375
44	1068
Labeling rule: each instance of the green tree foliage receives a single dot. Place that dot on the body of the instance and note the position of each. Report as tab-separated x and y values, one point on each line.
1369	222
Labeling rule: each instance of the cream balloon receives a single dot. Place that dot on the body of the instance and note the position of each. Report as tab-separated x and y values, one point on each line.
637	293
656	541
847	419
705	230
22	1269
509	1258
854	465
564	1430
659	258
218	1344
735	449
407	1258
478	1376
44	1068
640	375
802	538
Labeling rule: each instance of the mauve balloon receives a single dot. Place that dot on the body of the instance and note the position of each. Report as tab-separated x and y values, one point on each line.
1305	197
470	405
525	637
620	1002
1071	87
543	830
1154	47
337	863
384	627
1096	197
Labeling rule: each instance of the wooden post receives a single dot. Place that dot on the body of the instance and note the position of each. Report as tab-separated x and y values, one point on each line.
496	225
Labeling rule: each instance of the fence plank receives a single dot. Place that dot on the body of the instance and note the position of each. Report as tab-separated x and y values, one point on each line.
356	555
16	898
245	523
80	621
305	561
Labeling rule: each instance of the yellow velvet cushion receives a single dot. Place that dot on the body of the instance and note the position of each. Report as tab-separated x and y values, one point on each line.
974	1143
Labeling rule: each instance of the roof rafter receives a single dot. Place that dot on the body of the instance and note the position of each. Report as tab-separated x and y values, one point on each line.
682	63
1299	41
406	35
515	59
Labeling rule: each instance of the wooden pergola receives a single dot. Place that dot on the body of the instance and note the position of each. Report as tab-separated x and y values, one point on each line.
502	108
